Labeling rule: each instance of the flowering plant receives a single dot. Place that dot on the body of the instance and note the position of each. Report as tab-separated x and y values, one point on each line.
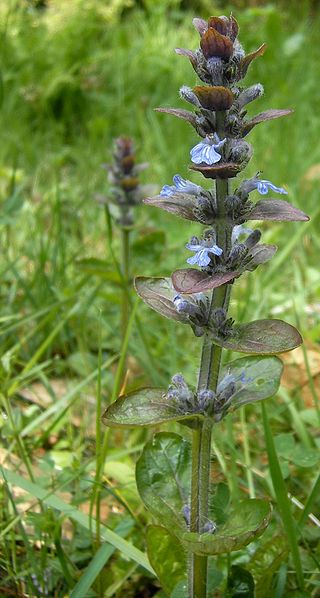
173	475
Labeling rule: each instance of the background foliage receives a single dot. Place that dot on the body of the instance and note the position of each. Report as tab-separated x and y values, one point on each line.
75	74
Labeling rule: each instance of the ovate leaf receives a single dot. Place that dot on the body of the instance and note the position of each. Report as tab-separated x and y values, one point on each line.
246	521
277	209
180	204
163	475
167	557
259	378
159	293
261	336
190	280
143	407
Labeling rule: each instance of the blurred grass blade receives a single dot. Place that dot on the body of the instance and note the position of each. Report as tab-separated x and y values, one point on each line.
130	551
46	343
283	501
313	497
99	560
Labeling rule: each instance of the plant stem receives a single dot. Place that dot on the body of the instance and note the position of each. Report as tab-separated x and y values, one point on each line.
208	379
125	304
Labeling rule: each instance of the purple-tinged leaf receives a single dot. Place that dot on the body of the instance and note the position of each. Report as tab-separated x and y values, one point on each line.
277	210
190	280
256	379
200	24
143	407
263	117
224	170
246	521
246	61
159	293
191	55
261	337
190	117
181	204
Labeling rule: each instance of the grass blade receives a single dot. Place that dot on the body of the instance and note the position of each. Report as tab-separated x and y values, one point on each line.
283	501
99	560
53	501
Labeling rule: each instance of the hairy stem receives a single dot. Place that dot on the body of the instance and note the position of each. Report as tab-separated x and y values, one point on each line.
125	306
208	379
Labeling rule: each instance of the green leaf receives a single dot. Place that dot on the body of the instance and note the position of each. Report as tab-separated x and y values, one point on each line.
167	557
284	444
246	521
261	336
163	475
266	562
150	245
144	407
219	503
240	583
305	457
261	378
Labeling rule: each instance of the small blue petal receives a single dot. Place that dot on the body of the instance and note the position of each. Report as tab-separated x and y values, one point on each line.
194	247
206	152
203	258
216	250
193	261
263	187
166	191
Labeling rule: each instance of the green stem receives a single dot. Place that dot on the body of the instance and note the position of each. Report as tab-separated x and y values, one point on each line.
208	379
125	304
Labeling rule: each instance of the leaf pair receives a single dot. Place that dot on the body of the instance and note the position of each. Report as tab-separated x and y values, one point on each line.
186	206
260	336
164	480
259	379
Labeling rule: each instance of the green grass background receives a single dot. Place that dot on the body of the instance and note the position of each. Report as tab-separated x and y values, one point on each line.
74	75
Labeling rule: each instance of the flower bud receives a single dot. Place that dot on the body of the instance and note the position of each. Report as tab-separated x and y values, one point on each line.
249	95
214	98
214	44
253	239
187	94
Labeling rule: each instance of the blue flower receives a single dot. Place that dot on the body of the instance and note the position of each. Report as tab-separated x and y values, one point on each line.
263	187
180	186
239	230
207	151
184	306
202	257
